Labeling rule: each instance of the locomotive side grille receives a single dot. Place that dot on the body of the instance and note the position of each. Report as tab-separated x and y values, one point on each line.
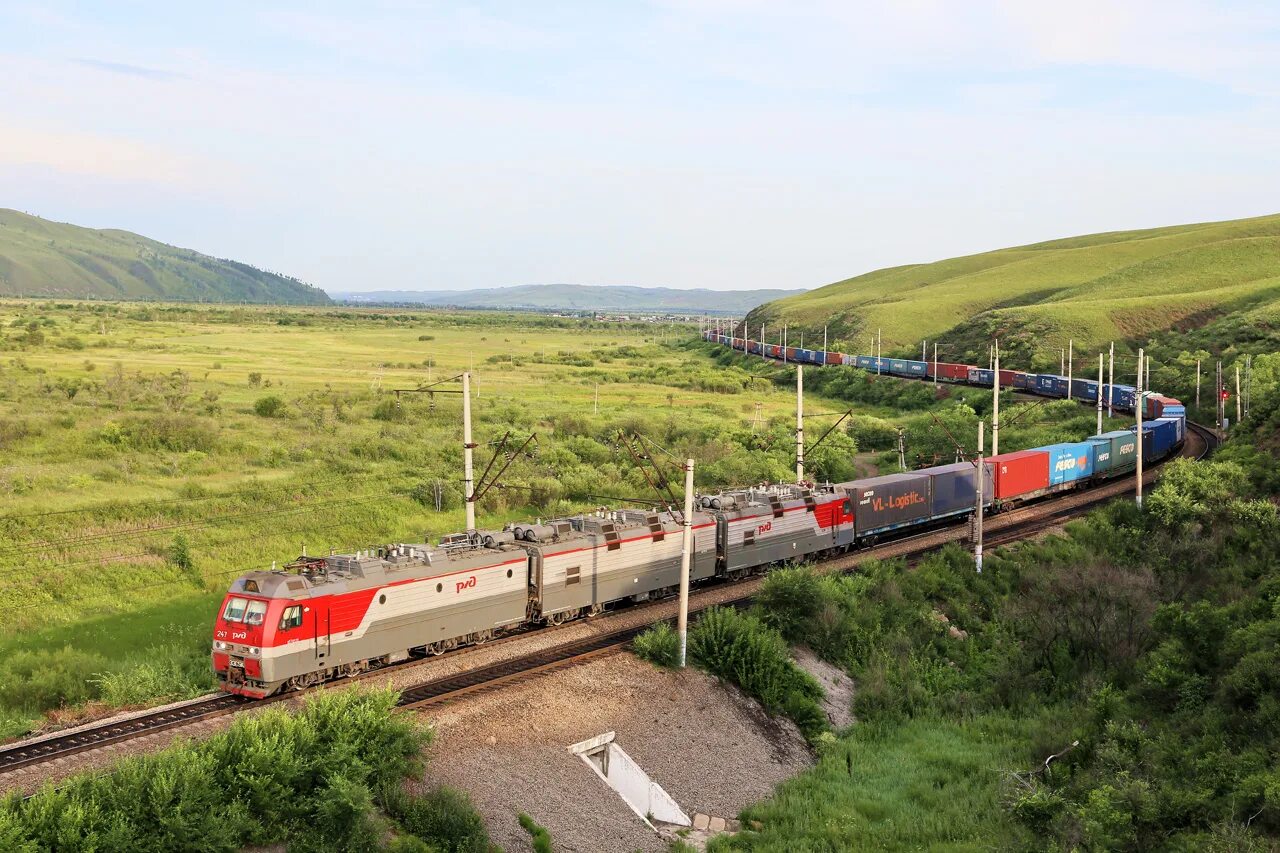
748	537
656	528
776	505
572	575
809	503
611	537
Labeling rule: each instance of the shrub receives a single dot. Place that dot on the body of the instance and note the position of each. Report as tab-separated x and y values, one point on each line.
742	649
388	410
255	379
659	645
38	680
537	833
443	817
270	406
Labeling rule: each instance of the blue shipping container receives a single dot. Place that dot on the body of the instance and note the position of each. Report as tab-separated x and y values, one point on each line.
1122	396
1069	462
1085	389
952	488
1051	384
904	367
1177	427
1024	380
980	376
868	362
1158	438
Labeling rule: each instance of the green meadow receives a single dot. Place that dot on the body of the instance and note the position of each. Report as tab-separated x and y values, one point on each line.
1117	286
153	452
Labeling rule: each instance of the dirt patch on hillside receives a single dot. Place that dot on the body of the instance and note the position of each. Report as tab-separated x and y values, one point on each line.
707	745
836	685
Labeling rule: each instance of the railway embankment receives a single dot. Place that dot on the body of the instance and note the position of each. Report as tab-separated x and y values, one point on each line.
710	747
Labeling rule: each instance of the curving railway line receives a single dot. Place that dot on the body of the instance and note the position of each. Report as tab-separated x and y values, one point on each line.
1002	529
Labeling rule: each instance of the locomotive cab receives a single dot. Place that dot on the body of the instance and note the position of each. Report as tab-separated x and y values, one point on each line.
256	617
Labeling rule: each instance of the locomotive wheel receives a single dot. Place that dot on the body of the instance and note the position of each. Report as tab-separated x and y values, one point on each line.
482	637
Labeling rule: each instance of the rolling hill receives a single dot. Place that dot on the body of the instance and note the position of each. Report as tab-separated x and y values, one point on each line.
579	297
43	258
1122	285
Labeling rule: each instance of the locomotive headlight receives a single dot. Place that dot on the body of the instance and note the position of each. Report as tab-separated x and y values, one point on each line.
218	644
254	650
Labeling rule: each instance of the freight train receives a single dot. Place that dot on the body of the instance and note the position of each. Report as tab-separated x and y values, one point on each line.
334	616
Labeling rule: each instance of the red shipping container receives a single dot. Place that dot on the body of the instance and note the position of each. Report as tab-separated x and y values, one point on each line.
1020	473
791	356
1006	378
1156	403
952	372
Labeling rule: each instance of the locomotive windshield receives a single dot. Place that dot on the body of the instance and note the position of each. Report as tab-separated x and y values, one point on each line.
246	610
254	613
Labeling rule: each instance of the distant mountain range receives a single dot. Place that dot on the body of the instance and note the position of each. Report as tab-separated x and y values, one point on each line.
43	258
578	297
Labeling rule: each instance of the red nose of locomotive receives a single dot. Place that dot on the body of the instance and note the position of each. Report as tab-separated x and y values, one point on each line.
239	635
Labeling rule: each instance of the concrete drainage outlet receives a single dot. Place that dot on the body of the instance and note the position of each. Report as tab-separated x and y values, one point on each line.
621	773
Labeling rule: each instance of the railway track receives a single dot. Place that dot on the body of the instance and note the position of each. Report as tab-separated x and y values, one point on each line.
1004	529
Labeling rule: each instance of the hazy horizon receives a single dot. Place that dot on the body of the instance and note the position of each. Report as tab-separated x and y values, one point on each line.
725	145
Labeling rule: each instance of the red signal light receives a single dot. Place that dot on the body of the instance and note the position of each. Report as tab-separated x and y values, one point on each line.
1226	395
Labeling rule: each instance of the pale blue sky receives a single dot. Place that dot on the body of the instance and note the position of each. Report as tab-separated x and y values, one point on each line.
724	144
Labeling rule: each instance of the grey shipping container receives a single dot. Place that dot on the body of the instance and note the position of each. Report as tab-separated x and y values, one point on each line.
1114	452
882	503
952	488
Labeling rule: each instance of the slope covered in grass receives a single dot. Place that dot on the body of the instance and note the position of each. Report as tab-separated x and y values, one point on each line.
43	258
1095	288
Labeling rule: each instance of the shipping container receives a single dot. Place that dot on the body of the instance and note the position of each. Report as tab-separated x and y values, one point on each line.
850	360
981	376
1158	438
1156	404
903	367
894	500
1114	452
1121	396
952	488
1020	474
1069	463
1024	381
1178	411
1085	389
951	372
869	362
1051	384
1178	426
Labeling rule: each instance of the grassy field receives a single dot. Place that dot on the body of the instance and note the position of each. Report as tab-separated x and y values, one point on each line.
151	453
1096	289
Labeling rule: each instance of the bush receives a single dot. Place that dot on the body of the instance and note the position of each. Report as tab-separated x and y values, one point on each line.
742	649
388	410
39	680
174	433
659	645
270	406
268	779
537	833
443	817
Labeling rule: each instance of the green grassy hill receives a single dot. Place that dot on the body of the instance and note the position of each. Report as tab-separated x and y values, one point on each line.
43	258
1122	285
